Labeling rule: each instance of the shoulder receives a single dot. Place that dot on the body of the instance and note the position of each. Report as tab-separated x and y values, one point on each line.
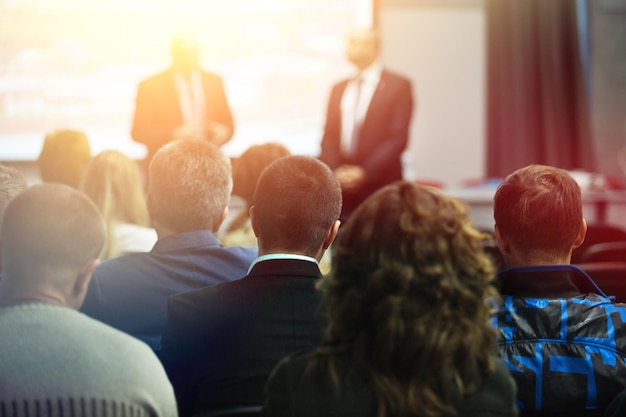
291	368
495	397
121	267
237	256
202	298
394	75
395	78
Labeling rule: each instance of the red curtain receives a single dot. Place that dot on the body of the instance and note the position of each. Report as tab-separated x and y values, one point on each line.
537	106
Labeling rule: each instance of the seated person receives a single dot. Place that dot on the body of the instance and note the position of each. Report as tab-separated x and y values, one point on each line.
221	342
55	361
562	339
189	187
409	301
247	169
63	157
113	181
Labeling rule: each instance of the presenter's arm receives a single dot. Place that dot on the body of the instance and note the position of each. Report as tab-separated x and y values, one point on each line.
220	125
147	129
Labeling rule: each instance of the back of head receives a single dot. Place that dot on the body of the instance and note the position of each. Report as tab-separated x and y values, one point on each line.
247	168
297	200
63	157
407	298
113	181
51	231
12	182
539	208
189	186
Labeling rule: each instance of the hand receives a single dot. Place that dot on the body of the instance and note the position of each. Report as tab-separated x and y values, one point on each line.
351	177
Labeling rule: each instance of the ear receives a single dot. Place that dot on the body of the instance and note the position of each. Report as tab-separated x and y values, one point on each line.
503	244
84	278
331	234
221	219
581	235
253	221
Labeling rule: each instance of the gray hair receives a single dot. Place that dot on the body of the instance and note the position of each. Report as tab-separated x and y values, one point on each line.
190	182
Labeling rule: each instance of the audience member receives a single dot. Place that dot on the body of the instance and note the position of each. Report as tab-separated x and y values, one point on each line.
247	169
409	301
367	123
113	181
12	182
183	101
53	360
220	343
562	339
63	157
188	191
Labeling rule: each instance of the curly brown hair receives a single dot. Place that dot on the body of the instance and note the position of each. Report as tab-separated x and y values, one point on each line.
410	296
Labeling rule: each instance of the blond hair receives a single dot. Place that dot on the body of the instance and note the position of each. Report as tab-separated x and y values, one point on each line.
113	181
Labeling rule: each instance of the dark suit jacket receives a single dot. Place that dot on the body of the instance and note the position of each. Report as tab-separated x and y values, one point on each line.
158	113
221	342
383	135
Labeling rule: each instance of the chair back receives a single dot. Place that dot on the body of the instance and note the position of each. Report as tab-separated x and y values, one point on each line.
609	276
605	252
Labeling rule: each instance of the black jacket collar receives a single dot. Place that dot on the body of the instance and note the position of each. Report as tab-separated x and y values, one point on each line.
546	281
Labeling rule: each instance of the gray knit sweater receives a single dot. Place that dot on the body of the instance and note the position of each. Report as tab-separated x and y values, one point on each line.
57	362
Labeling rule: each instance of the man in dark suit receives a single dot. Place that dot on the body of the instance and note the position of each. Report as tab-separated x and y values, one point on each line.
367	123
221	343
182	102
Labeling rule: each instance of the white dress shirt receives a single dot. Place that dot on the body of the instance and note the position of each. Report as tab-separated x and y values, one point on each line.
355	102
191	99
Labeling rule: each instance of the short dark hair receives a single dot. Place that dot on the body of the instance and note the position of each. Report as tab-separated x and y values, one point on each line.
189	185
296	201
51	231
247	168
539	207
64	156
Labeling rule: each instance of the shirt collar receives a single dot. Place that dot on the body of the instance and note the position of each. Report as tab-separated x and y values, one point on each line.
271	256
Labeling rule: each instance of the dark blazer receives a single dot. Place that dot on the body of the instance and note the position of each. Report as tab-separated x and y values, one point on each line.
383	135
220	343
158	113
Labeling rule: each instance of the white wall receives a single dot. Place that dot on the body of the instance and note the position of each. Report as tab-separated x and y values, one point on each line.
440	45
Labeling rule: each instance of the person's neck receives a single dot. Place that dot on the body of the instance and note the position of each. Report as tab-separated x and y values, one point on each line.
13	299
516	261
